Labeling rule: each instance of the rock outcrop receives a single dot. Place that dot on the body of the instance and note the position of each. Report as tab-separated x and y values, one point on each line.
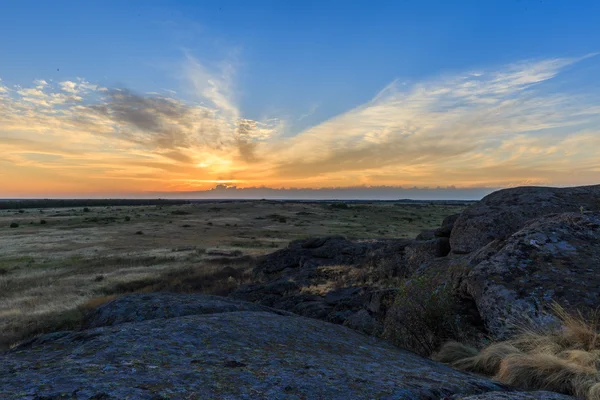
223	354
502	213
555	258
331	278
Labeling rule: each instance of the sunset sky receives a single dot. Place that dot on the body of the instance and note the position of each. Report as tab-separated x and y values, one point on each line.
116	98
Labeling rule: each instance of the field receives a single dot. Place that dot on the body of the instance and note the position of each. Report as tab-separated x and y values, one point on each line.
60	261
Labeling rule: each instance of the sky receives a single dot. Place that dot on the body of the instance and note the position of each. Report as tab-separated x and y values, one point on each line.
129	99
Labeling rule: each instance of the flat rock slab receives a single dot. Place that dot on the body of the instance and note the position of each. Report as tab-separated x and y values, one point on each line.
231	355
142	307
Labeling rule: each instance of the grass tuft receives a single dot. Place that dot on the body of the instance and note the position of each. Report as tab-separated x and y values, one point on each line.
564	360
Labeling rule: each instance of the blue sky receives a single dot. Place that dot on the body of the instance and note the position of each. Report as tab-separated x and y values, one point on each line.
302	62
293	55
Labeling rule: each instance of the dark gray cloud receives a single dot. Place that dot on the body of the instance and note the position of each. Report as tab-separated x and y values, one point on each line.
164	120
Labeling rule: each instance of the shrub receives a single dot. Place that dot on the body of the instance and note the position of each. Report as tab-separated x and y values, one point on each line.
180	212
425	315
139	233
42	222
86	209
339	206
564	360
14	225
127	218
21	211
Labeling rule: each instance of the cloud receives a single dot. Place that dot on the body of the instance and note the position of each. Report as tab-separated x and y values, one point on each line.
461	121
487	128
312	109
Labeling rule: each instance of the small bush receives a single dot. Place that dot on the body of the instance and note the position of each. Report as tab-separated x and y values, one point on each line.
21	211
14	225
425	315
86	209
42	222
139	233
180	212
127	218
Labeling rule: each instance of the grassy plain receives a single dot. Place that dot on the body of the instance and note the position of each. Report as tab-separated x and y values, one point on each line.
59	261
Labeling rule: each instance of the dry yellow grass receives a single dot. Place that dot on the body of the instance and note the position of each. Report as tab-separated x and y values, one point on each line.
565	360
49	271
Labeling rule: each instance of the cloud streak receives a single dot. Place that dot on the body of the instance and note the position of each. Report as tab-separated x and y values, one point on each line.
486	128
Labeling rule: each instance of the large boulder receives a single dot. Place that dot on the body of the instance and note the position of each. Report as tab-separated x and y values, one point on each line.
555	258
225	355
502	213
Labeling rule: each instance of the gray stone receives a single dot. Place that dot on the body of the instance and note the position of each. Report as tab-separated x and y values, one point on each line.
502	213
419	252
447	224
142	307
363	322
555	258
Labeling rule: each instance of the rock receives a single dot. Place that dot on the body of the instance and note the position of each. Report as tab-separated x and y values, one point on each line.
447	224
333	267
226	355
502	213
378	301
555	258
426	234
142	307
537	395
420	252
315	252
347	295
363	322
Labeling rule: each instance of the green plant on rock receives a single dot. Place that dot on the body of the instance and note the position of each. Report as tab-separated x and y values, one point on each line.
425	315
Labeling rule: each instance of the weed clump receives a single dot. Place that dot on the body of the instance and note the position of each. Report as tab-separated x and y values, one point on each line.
14	225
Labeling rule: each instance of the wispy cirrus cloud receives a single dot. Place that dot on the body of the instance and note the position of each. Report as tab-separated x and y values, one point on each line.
433	132
496	127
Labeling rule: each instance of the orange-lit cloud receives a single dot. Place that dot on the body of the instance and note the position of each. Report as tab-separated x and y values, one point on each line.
486	128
